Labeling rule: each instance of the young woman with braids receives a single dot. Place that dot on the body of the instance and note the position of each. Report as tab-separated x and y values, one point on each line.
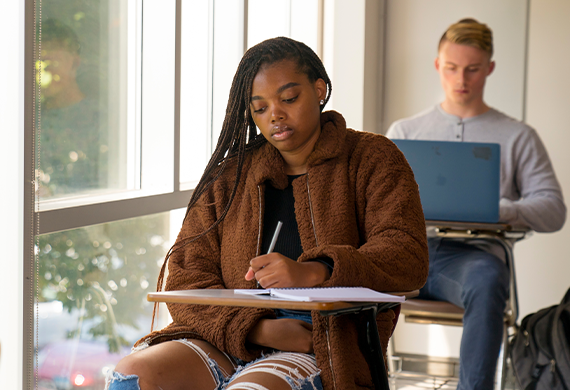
351	217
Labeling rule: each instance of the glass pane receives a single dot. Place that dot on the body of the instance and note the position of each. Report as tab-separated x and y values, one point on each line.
262	21
93	283
195	90
299	19
305	22
228	50
212	46
84	62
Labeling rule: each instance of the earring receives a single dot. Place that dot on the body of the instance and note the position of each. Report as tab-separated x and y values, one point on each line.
322	102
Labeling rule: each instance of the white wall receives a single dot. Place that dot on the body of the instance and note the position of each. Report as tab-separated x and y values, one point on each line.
413	31
411	84
352	55
543	261
343	57
12	194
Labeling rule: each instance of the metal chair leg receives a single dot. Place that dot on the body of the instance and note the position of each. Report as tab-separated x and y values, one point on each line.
500	376
370	340
390	356
375	358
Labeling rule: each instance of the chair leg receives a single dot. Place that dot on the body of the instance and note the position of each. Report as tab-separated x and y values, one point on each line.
375	359
390	357
500	375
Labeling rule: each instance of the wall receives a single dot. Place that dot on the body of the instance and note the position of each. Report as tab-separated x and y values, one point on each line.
543	261
413	30
352	54
11	201
533	90
343	55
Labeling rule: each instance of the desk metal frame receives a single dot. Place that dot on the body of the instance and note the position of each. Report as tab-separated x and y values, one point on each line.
502	234
372	340
228	298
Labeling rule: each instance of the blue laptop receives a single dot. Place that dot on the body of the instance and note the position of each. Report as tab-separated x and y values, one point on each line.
458	181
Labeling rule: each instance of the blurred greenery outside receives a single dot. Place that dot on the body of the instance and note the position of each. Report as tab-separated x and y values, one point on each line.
103	272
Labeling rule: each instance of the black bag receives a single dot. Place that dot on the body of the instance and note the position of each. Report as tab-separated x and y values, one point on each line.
540	350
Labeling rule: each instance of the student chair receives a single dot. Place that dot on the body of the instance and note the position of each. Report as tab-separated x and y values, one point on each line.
444	313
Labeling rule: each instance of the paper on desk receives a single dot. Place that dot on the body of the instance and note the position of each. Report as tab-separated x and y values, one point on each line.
326	294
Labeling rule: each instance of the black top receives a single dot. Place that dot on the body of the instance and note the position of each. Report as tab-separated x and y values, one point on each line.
280	206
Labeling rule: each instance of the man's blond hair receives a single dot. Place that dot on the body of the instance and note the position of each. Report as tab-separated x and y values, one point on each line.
471	33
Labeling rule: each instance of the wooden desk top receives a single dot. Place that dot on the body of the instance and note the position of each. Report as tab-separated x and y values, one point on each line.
469	225
475	229
224	297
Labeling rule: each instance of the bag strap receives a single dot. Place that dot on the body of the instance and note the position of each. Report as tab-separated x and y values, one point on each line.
531	385
566	298
536	373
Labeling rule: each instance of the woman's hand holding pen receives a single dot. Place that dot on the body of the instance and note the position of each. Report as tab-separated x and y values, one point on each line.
277	270
274	270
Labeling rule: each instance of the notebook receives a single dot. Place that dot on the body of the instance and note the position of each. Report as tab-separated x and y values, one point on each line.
458	181
326	294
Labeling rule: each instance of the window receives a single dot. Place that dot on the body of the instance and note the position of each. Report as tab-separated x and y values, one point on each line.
298	19
88	97
211	48
92	303
195	90
108	197
214	46
132	96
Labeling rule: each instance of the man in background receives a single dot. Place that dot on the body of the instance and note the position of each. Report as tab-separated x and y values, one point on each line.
473	274
71	158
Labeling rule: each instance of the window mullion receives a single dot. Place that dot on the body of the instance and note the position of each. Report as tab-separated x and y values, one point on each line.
210	98
177	69
111	211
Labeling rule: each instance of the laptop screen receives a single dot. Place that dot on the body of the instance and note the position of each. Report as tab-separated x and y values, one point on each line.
458	181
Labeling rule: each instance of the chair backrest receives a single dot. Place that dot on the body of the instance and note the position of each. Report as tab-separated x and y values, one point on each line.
420	311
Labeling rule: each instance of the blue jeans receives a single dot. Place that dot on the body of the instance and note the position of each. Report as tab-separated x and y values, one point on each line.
302	315
268	364
478	282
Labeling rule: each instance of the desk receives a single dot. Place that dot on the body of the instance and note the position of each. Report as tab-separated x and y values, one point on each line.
503	234
229	298
476	228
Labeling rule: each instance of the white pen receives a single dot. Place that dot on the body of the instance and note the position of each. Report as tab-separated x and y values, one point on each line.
275	235
273	242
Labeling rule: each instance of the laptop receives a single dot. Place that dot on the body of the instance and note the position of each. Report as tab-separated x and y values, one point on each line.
458	181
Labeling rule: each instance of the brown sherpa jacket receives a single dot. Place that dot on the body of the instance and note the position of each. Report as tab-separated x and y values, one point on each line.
358	205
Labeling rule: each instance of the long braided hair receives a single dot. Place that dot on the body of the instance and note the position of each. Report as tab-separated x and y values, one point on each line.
239	133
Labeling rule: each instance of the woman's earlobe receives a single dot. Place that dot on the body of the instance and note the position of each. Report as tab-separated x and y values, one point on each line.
321	88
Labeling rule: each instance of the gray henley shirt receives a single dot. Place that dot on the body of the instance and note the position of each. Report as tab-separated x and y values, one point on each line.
531	196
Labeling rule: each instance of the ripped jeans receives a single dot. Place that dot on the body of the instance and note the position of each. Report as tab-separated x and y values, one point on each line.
271	364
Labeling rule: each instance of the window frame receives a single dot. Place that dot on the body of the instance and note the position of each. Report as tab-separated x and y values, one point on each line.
78	211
